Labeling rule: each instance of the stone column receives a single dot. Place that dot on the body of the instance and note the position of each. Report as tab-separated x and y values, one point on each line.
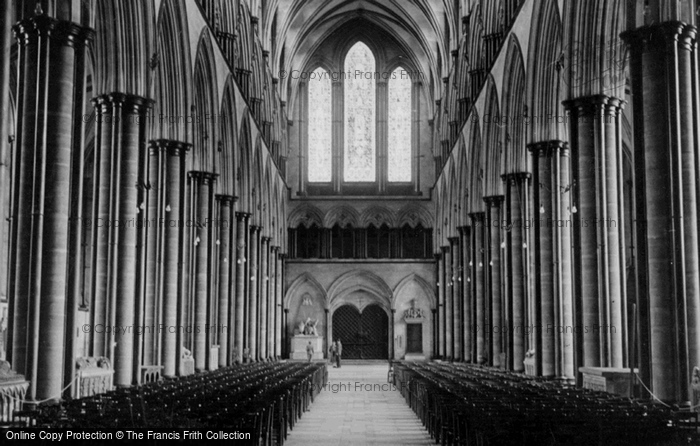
552	257
663	67
264	295
516	266
49	65
467	318
201	184
338	133
442	286
173	236
382	141
277	302
125	115
447	286
254	268
454	321
241	279
152	303
493	293
224	228
597	251
415	137
478	276
285	311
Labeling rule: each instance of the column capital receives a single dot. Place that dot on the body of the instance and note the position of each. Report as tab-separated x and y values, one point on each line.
127	101
547	148
171	146
265	239
255	228
67	33
463	229
445	249
437	256
477	216
494	201
275	248
516	177
242	216
594	105
283	255
453	240
202	177
658	33
225	200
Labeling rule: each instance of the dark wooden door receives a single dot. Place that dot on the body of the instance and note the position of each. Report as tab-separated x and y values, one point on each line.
365	335
414	338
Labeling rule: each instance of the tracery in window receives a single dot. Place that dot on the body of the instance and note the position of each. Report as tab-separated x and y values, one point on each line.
359	153
320	109
399	113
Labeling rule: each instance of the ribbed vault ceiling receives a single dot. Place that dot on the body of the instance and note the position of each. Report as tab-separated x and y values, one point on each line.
417	25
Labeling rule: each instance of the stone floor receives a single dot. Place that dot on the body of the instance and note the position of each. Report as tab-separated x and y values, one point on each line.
358	407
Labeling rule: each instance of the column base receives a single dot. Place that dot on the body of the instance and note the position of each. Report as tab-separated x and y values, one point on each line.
608	379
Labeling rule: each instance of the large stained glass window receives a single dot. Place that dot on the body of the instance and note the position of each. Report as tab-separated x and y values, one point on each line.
399	113
320	108
360	85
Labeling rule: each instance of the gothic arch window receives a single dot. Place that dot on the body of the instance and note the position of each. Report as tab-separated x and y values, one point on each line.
399	128
360	125
369	102
320	159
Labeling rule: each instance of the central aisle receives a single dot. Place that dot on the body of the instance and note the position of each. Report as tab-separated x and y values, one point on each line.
348	412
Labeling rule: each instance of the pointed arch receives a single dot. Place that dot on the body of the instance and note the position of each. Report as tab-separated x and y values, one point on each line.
413	215
305	215
492	147
513	132
476	171
546	75
244	169
174	78
360	280
342	215
377	216
305	279
422	284
227	144
205	105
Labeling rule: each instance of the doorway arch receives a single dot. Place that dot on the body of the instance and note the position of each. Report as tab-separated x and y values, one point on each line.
363	333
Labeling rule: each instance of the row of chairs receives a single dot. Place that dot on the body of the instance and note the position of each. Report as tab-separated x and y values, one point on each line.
469	404
267	397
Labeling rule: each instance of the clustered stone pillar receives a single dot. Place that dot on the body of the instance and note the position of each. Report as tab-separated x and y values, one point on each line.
440	322
476	265
48	56
173	219
551	256
264	295
493	289
224	227
241	279
152	292
664	74
467	321
456	300
276	339
253	296
516	266
201	184
597	251
122	134
447	316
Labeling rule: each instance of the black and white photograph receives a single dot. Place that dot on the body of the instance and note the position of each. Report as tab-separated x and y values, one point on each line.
350	222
